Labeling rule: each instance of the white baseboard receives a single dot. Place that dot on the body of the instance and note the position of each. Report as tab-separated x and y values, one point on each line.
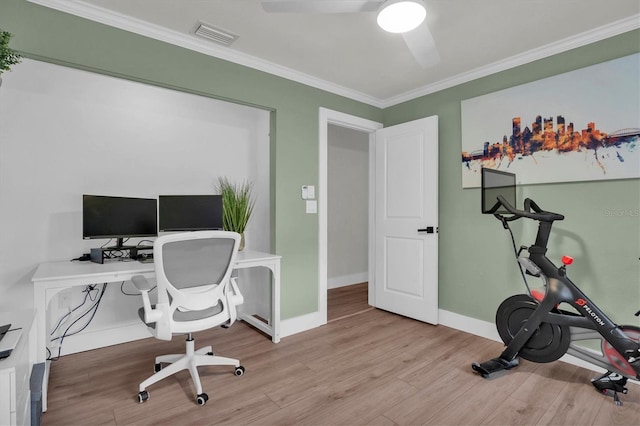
299	324
469	325
260	309
345	280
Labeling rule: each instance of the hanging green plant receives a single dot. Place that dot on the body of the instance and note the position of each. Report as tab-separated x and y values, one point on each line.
237	205
8	56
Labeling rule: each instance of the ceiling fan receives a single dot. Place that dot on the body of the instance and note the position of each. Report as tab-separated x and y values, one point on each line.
406	17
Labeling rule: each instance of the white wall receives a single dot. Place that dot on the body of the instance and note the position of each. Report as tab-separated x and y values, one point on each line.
348	208
66	132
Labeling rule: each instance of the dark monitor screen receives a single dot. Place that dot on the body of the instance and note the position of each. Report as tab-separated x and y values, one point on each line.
118	217
494	183
190	212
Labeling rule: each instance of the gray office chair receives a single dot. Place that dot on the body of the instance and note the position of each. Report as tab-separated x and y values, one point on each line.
195	292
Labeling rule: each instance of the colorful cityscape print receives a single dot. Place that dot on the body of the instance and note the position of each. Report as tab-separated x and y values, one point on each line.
543	137
542	141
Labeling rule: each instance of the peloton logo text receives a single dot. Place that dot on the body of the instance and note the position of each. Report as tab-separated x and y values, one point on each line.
583	303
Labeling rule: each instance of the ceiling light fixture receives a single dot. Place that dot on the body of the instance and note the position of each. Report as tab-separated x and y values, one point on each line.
400	16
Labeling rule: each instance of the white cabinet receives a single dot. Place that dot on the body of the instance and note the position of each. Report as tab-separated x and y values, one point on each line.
15	371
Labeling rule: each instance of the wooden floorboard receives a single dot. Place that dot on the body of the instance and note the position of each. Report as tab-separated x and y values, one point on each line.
348	300
371	368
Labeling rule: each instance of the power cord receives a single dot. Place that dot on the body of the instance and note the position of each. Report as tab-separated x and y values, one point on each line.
74	309
91	311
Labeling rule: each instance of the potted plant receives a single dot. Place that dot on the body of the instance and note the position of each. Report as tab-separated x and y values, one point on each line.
8	56
237	206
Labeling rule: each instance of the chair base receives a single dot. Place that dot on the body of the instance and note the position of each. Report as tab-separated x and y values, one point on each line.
190	360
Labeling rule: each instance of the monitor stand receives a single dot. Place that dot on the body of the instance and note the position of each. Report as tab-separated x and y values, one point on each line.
98	255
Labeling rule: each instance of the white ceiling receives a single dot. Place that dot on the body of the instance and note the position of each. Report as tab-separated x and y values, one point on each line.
350	55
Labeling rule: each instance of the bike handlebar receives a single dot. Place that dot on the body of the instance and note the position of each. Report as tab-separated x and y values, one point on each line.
529	205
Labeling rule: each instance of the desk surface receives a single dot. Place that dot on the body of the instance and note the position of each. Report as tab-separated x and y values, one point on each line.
65	270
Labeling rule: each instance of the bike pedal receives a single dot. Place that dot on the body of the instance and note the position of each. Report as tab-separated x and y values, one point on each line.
493	367
614	394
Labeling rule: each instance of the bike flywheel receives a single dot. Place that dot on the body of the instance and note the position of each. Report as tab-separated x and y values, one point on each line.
548	343
618	361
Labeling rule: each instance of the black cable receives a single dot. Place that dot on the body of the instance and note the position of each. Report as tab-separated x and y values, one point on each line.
69	313
93	309
105	244
88	289
515	252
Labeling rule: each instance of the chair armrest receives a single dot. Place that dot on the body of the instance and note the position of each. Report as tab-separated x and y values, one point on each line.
141	283
236	297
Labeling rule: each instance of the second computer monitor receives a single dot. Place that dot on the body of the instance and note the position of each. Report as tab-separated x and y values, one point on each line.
189	212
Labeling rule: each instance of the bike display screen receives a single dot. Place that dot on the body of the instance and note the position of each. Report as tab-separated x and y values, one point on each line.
494	183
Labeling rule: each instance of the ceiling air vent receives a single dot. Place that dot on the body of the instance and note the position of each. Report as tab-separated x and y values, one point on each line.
218	35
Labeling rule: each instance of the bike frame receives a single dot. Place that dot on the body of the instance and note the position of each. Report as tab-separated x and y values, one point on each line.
560	289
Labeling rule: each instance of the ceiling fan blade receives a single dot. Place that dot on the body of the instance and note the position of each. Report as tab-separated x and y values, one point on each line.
320	6
422	46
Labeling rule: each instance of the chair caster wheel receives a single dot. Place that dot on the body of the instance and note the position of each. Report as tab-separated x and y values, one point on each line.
143	396
202	399
239	371
157	367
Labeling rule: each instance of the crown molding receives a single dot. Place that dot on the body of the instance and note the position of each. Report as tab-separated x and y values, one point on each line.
579	40
147	29
107	17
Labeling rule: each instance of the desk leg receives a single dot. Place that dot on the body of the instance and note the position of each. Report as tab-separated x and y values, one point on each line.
273	328
40	305
41	298
275	302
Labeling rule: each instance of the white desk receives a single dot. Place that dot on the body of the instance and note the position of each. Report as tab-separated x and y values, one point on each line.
53	277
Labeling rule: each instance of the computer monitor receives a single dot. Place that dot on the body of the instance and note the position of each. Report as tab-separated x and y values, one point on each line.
118	217
190	212
494	183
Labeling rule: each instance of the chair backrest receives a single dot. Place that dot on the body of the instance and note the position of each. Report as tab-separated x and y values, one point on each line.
193	270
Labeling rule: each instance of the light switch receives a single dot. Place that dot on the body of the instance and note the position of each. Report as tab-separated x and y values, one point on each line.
308	192
312	206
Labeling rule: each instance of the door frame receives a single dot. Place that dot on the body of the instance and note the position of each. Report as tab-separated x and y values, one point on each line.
326	117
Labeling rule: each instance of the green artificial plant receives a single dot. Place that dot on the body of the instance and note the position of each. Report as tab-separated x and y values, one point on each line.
8	56
237	205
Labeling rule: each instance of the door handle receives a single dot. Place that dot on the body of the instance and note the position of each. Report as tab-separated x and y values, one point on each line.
428	230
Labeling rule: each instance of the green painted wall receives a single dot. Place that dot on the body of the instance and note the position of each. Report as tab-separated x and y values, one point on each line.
602	225
476	266
45	34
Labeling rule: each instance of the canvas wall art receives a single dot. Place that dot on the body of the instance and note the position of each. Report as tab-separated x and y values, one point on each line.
578	126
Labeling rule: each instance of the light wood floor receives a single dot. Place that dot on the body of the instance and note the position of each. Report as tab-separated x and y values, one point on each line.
345	301
373	368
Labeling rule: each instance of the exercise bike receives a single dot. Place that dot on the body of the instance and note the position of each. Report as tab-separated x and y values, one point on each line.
535	326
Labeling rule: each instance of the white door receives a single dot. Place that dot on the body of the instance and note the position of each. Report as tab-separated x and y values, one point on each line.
406	219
